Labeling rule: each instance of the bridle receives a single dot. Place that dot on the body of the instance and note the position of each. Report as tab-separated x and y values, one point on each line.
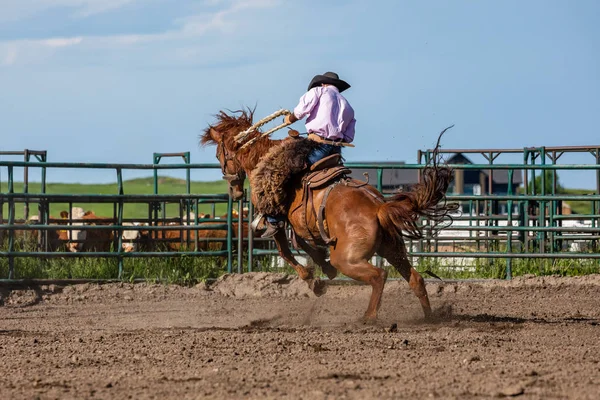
237	177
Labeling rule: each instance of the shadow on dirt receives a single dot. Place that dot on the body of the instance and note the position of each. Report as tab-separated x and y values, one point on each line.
445	313
22	295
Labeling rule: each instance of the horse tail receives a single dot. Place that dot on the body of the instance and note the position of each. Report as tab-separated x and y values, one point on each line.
399	215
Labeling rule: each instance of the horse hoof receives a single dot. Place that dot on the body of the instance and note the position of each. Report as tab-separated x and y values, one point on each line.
331	274
369	319
318	287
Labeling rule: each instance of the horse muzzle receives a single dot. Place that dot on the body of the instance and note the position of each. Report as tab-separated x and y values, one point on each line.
236	186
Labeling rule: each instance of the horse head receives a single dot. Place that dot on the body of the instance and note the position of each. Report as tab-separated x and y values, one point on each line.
222	135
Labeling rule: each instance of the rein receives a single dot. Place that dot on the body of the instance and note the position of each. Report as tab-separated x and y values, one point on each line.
240	175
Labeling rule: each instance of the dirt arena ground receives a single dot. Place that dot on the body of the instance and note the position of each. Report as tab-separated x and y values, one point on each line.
266	336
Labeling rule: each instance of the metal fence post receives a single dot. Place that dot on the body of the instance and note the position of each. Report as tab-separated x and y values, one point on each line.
250	233
11	223
119	230
509	224
229	236
378	258
240	235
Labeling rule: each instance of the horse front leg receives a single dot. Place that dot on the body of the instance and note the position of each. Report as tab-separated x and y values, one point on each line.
319	256
306	274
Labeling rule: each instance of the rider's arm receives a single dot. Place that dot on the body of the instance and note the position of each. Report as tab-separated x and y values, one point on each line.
307	102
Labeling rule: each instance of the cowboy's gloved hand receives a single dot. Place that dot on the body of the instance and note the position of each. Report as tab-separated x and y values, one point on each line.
290	119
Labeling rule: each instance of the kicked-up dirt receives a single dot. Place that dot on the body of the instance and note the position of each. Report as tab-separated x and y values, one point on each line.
266	336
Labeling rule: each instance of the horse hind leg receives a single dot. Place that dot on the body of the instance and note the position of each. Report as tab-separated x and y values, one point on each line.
395	254
357	267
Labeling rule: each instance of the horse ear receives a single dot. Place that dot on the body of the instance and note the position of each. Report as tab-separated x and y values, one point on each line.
216	135
210	136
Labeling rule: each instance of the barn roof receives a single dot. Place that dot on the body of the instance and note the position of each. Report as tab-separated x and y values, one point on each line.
499	175
390	178
397	177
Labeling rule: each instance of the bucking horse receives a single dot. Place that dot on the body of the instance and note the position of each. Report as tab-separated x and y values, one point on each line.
332	214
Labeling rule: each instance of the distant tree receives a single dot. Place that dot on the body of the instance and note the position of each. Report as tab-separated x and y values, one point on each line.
548	184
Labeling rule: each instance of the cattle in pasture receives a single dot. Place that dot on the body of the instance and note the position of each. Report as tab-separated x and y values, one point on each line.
185	239
75	237
134	239
83	240
192	218
26	239
30	239
208	239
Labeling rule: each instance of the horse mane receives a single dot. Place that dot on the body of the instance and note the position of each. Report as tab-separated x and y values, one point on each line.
229	125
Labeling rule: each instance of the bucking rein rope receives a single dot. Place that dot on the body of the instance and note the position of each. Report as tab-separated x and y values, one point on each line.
243	135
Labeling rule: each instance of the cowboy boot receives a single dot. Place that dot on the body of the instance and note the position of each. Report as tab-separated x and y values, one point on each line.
272	228
258	224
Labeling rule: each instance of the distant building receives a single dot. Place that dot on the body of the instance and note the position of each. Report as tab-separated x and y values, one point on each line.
466	182
477	181
393	180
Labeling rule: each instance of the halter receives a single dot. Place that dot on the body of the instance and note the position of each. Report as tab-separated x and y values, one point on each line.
240	175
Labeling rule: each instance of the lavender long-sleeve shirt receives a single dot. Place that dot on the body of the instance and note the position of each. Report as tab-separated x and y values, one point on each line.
329	113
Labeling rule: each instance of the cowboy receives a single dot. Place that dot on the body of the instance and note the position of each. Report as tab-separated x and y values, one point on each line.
330	122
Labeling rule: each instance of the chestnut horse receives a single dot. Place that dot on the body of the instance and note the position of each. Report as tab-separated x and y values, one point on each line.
358	216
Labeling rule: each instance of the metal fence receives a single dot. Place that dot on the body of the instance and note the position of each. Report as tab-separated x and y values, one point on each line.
528	223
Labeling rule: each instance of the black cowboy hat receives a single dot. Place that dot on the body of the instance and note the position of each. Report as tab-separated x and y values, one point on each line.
330	78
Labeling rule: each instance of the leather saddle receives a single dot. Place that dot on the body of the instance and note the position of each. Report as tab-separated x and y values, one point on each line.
326	172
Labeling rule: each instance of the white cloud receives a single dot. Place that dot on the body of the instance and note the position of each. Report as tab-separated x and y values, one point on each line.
188	28
61	42
25	51
92	7
14	10
10	56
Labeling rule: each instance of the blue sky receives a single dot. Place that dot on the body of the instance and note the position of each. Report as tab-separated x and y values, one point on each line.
116	80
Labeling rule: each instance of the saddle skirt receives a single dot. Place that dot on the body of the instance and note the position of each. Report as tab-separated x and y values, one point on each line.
326	175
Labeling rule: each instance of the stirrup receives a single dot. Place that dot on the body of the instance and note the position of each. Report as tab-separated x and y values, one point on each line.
273	229
257	221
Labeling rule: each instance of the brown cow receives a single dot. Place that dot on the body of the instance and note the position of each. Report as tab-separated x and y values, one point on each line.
26	239
176	239
87	239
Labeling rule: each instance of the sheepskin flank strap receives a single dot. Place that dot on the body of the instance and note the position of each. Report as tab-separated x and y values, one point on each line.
272	178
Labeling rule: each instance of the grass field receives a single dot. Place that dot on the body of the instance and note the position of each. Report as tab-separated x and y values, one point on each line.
191	269
580	207
166	185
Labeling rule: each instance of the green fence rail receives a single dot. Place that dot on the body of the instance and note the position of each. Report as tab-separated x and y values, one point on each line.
532	225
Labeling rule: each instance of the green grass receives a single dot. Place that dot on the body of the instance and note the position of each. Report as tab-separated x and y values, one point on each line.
181	270
185	269
496	268
580	207
166	185
577	207
192	269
